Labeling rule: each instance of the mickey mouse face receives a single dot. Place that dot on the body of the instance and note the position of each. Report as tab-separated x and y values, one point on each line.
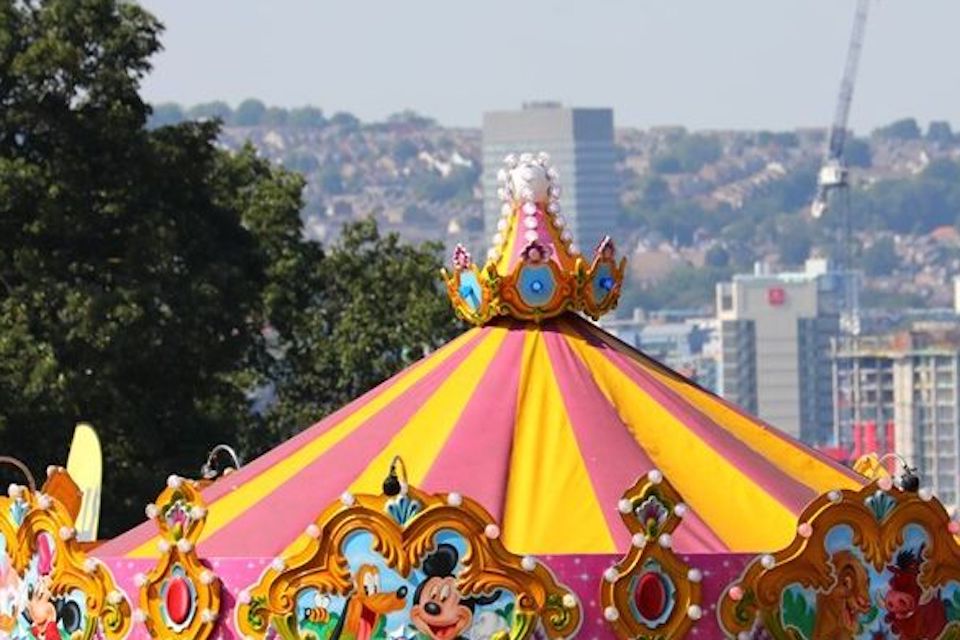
439	613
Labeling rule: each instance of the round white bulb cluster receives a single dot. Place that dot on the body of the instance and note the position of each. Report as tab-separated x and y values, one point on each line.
114	597
277	564
680	510
767	561
139	580
694	575
492	531
15	491
529	563
569	600
174	482
454	499
655	476
151	510
184	545
44	501
163	546
67	533
611	574
207	616
90	565
925	494
244	597
347	499
197	512
834	496
139	615
313	531
639	540
526	180
207	577
611	614
885	483
694	612
624	506
665	540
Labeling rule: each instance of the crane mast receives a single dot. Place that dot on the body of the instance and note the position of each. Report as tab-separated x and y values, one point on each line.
833	173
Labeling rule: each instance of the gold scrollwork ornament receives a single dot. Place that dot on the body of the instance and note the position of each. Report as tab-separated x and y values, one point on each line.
651	593
39	532
179	598
403	529
876	519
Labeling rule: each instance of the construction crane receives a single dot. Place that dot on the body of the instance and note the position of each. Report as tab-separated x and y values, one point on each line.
833	174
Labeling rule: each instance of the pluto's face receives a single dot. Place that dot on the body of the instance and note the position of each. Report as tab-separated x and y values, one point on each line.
530	182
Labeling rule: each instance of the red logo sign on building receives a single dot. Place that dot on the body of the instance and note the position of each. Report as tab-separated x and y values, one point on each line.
776	296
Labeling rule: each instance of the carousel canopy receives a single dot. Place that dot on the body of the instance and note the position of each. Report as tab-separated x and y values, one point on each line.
536	413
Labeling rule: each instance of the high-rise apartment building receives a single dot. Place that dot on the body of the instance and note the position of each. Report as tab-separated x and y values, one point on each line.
904	386
580	142
775	332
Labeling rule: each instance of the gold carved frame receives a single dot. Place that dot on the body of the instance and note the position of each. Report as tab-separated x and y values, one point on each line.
651	510
106	606
487	565
877	516
180	515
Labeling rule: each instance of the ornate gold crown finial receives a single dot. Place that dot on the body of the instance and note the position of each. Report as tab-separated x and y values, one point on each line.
533	270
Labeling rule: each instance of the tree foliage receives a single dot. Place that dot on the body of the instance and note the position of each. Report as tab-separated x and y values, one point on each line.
904	129
139	268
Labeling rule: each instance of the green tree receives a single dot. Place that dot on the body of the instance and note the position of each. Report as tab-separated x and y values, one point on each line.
880	258
217	110
857	153
130	287
307	117
940	131
371	307
795	241
139	268
905	129
249	113
275	117
166	114
688	154
717	256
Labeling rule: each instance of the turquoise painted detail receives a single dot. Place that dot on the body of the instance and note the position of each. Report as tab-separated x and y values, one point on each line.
536	284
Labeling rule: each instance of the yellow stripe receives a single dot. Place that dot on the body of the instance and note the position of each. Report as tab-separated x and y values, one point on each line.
508	244
740	512
420	441
783	454
550	506
223	511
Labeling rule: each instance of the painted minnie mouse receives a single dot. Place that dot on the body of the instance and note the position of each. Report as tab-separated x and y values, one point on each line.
439	611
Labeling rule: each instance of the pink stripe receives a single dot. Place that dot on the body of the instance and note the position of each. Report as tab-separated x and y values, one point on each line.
613	456
267	527
792	494
475	460
645	360
145	531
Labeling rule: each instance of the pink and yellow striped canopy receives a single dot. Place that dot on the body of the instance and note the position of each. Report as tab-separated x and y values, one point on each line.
546	426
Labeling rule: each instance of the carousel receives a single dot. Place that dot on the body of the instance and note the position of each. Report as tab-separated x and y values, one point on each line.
533	478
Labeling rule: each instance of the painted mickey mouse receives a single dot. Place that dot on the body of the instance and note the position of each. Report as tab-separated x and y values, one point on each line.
438	610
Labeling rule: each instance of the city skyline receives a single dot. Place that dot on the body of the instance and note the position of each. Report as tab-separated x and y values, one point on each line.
745	64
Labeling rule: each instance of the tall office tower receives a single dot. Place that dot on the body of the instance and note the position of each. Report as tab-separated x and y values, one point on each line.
775	332
580	142
901	392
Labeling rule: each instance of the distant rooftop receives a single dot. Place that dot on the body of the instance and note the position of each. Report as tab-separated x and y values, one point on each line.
542	104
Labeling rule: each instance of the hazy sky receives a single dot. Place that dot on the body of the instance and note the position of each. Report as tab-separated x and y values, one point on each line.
700	63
